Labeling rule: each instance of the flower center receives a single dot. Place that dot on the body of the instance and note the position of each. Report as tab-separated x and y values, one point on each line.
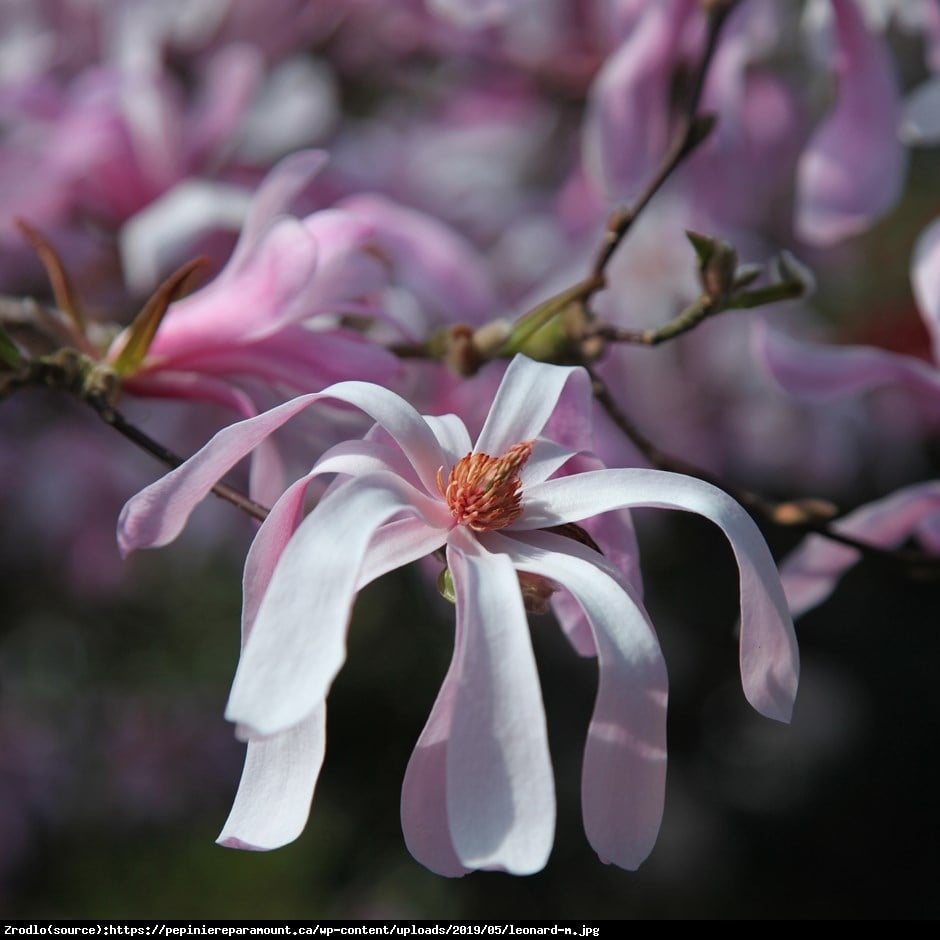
485	492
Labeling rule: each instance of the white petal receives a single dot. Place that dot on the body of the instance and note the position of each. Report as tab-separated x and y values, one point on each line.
624	776
925	280
277	190
424	819
524	402
769	657
452	435
297	643
500	786
276	788
157	514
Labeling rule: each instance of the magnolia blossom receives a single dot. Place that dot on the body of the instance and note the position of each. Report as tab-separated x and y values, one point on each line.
824	374
478	791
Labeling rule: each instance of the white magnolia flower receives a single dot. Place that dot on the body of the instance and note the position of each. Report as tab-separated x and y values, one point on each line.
478	792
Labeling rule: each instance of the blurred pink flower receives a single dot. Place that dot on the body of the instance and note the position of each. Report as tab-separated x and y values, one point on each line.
479	790
824	374
853	167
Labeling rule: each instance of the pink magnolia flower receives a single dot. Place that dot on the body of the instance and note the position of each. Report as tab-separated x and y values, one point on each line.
824	374
478	791
853	167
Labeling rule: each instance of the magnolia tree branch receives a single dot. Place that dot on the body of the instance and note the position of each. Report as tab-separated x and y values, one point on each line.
691	129
809	516
71	372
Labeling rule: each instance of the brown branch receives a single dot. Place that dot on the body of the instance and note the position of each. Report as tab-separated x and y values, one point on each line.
116	420
690	131
807	516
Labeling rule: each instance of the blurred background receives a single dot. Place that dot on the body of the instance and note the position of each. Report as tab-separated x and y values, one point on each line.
117	769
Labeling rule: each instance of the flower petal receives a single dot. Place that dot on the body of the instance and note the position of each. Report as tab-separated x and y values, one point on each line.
285	181
630	93
500	785
826	373
811	571
769	657
925	280
276	788
424	820
297	642
624	775
853	167
524	402
157	514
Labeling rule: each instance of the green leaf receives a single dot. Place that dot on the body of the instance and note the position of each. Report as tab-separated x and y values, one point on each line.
9	353
146	323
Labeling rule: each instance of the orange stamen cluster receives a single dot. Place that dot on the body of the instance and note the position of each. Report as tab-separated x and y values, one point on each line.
485	492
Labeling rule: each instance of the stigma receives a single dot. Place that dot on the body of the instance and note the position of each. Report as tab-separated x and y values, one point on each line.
484	492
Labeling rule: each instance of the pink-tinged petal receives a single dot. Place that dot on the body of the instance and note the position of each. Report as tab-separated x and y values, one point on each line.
574	623
424	820
452	435
157	514
853	167
347	267
626	130
524	402
825	373
256	302
810	573
500	784
159	238
355	458
276	788
432	261
396	543
547	458
295	357
769	657
297	642
277	190
624	775
232	78
191	387
925	280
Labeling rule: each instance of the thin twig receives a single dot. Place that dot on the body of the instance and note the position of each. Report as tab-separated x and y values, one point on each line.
116	420
690	131
778	513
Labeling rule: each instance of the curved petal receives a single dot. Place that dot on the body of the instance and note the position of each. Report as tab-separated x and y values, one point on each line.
424	820
524	402
432	261
500	785
769	657
624	776
811	571
452	435
276	788
297	642
157	514
354	458
627	126
250	305
160	236
853	167
285	181
826	373
925	280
